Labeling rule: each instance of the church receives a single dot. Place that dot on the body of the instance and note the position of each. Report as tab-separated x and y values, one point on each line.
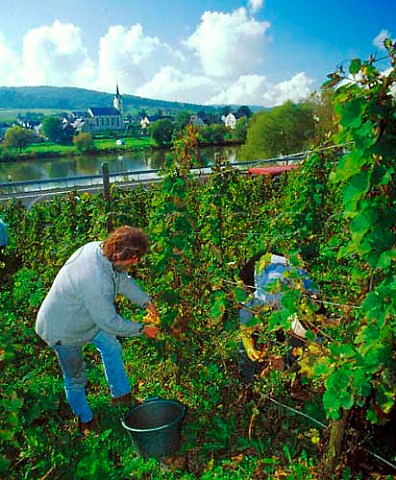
99	119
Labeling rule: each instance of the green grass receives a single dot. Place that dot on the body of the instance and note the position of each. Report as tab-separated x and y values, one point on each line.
48	147
110	143
101	145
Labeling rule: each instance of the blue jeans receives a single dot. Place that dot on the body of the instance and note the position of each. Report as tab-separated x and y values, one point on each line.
74	373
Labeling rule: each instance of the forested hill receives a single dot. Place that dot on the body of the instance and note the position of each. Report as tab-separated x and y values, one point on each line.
70	98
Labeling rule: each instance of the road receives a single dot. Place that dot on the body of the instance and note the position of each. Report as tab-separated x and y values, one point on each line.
30	198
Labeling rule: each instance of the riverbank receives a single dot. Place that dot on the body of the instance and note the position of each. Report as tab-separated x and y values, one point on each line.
54	150
100	147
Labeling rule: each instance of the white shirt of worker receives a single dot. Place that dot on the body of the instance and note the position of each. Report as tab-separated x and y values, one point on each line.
81	300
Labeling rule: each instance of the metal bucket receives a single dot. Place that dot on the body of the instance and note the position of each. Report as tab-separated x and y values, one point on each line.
154	427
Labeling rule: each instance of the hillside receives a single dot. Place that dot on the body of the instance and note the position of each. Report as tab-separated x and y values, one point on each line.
70	98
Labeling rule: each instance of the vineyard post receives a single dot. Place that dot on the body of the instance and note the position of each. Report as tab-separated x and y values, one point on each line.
106	192
334	445
217	160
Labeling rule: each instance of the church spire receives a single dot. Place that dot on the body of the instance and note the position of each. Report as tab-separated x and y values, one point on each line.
117	101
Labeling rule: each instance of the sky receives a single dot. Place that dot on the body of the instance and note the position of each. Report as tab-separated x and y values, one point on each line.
210	52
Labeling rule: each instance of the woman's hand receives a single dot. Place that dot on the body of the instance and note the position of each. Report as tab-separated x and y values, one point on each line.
151	331
151	321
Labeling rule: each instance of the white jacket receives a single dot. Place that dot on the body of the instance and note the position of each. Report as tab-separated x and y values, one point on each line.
81	300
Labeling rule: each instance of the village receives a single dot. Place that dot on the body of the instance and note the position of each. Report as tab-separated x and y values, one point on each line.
116	121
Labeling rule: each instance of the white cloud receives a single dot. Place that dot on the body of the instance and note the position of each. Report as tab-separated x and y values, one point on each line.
295	89
228	44
172	84
255	5
379	39
256	90
54	55
131	58
228	47
9	64
247	90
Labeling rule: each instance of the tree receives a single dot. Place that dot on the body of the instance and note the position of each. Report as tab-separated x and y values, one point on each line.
203	116
212	134
243	111
182	120
134	129
19	137
83	142
52	128
225	110
212	118
323	110
161	131
286	129
240	129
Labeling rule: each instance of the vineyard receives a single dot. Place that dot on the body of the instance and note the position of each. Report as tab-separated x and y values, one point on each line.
330	416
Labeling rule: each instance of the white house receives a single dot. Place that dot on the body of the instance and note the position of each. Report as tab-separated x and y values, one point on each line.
229	120
144	123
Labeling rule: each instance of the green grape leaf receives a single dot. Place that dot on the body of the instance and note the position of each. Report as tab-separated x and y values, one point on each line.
355	189
355	65
352	113
331	404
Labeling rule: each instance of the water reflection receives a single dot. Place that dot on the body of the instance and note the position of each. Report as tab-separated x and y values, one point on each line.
62	167
65	167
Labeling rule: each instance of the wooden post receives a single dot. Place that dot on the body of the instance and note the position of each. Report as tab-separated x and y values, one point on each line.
217	161
106	181
333	455
106	194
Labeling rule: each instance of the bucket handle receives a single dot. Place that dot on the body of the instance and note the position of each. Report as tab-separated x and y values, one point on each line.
151	399
154	399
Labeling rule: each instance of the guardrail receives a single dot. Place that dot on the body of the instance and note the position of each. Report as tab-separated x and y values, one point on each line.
9	189
44	185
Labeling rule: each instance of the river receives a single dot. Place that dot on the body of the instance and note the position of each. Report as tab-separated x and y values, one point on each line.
67	167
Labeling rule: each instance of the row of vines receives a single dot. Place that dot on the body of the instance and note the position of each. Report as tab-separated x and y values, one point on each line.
329	417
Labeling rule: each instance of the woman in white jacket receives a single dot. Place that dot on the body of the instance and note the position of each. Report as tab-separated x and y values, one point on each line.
80	308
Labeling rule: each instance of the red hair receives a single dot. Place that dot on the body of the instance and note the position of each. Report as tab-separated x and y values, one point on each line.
125	242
